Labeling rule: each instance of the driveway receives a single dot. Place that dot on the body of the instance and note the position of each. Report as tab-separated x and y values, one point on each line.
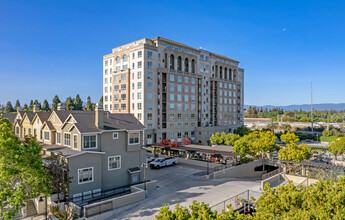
182	184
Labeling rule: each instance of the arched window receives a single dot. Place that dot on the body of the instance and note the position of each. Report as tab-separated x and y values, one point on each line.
172	62
216	71
226	73
118	59
179	63
193	66
220	72
186	65
230	74
235	75
125	58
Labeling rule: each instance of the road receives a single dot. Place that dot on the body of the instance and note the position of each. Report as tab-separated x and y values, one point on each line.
182	184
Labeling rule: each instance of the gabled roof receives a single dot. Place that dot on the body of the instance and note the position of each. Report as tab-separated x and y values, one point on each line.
63	114
85	121
21	113
9	116
49	125
43	116
121	121
29	115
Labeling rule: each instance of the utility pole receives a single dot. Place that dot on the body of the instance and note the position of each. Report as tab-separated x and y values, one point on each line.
312	117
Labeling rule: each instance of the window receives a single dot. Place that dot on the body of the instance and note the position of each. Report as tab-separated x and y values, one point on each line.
172	117
46	135
114	162
149	85
179	107
139	75
172	97
179	88
106	89
139	106
186	98
201	57
172	78
123	77
149	54
193	89
179	135
149	106
133	55
134	138
186	125
133	65
106	71
58	137
186	107
115	135
179	78
116	78
116	106
172	106
149	95
139	64
139	85
149	126
105	80
85	175
116	97
106	63
123	106
179	116
172	87
123	96
75	141
139	54
192	116
124	67
139	116
116	88
179	125
193	80
67	139
186	116
179	97
149	116
149	75
117	68
123	87
171	135
90	141
139	95
185	88
149	65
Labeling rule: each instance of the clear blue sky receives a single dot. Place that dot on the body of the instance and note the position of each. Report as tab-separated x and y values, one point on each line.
56	47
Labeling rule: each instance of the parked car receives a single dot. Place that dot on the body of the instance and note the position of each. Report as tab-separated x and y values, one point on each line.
149	159
163	162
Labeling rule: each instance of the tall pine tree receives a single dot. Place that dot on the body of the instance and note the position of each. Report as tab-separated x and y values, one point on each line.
31	106
69	104
56	100
9	107
78	103
45	106
89	106
17	105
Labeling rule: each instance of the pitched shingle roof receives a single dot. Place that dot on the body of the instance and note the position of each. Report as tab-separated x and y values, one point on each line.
30	115
9	116
63	114
85	121
43	116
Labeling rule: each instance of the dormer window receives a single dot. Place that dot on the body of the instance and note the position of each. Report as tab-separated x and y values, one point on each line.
89	142
134	138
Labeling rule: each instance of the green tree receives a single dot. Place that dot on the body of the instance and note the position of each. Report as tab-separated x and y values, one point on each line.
243	130
289	137
231	138
17	105
31	105
337	147
9	107
36	102
22	175
25	107
56	100
69	104
266	143
216	138
89	105
78	103
101	100
294	152
45	106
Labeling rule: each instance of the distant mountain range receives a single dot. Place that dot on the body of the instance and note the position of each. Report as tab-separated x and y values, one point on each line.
304	107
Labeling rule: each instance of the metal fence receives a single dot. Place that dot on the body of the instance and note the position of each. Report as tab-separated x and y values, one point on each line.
243	202
270	174
95	196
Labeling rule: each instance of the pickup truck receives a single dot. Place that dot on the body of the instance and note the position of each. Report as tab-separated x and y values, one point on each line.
163	162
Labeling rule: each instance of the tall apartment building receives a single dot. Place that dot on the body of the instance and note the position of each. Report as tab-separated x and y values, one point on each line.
175	90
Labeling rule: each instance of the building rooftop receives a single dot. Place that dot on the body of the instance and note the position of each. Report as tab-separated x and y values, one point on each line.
9	116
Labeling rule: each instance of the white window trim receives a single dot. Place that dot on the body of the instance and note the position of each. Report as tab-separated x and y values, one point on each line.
117	136
75	147
129	137
44	137
82	140
93	177
69	139
115	168
58	132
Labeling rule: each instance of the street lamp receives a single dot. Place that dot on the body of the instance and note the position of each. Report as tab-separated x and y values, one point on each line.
144	165
46	208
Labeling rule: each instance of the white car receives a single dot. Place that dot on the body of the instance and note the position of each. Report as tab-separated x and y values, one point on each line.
163	162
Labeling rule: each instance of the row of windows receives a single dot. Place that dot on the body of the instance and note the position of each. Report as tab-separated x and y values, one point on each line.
179	79
179	116
179	134
179	107
179	97
226	101
179	88
182	125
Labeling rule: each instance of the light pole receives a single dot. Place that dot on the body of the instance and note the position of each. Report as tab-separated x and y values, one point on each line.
46	208
144	165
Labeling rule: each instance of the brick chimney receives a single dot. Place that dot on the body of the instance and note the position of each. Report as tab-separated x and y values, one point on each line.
99	116
60	107
36	108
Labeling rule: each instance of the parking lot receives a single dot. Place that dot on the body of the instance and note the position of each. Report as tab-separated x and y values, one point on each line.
183	184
